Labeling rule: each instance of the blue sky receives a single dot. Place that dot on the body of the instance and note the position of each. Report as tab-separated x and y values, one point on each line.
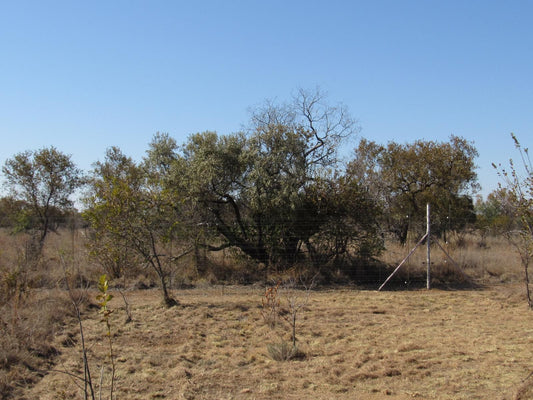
84	76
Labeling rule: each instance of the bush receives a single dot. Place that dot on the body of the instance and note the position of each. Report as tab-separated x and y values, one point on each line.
284	351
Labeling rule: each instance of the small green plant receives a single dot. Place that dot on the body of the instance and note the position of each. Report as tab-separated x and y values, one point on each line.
88	388
104	298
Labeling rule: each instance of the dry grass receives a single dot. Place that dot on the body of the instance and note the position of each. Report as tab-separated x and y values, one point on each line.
485	262
442	344
34	309
30	325
358	344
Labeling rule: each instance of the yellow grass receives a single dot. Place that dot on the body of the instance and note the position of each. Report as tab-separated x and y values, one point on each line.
472	344
491	261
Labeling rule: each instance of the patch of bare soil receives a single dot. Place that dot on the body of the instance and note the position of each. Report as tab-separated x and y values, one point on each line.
358	344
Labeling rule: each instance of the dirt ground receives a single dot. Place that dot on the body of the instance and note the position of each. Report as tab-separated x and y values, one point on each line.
358	344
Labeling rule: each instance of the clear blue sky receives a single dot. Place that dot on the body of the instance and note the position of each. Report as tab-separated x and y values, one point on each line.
87	75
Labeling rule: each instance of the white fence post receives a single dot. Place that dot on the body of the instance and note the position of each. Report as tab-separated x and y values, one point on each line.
428	238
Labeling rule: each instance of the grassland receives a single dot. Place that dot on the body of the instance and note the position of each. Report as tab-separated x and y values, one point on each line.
438	344
452	342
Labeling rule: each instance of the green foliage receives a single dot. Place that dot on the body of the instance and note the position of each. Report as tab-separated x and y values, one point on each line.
496	214
14	214
404	178
129	207
262	191
348	220
103	299
43	180
110	211
19	216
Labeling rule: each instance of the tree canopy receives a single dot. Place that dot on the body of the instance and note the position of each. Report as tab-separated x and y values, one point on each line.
263	190
129	208
405	177
44	180
276	190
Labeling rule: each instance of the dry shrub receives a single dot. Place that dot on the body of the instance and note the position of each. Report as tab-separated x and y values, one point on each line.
33	308
144	281
271	306
284	351
19	269
281	305
229	266
29	324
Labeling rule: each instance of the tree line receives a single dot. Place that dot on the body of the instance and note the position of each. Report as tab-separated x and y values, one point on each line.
278	193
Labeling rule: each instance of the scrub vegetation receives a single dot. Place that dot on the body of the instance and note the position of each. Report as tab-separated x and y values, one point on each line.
246	266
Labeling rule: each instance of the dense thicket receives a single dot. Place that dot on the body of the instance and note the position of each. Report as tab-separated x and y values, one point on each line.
276	192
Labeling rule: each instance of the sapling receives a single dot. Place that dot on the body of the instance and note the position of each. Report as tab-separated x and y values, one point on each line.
285	301
88	389
271	305
104	298
296	300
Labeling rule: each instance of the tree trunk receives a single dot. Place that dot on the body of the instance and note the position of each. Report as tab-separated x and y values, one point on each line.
167	298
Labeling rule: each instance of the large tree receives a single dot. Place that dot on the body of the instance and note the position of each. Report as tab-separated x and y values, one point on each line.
261	189
45	180
405	177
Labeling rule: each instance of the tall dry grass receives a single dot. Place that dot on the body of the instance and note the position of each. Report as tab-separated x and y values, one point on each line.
29	325
34	307
481	261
